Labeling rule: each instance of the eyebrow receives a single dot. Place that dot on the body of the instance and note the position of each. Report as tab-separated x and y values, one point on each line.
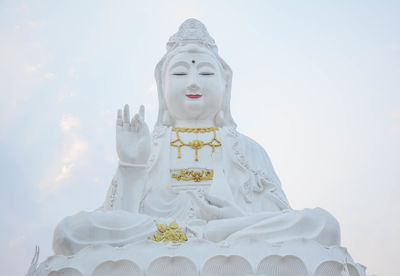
179	63
206	63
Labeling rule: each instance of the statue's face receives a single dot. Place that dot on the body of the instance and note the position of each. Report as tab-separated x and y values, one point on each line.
193	86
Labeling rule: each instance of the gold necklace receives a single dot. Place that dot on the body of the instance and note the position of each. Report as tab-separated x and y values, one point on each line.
195	144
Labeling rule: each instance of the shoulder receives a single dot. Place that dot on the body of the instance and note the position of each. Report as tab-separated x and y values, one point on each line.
253	150
251	155
257	159
248	142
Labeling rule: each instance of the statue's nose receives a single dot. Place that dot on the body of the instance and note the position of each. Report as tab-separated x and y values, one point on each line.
194	87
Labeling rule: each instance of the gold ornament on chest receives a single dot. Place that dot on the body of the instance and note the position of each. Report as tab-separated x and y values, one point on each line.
195	175
195	144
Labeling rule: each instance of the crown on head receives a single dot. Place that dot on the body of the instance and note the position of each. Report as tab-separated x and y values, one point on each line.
191	31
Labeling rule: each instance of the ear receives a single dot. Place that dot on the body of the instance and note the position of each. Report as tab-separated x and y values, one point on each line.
166	120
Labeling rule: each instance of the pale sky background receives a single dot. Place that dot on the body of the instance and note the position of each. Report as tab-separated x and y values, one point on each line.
315	82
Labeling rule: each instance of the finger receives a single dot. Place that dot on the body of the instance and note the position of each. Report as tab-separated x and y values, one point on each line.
201	204
141	112
196	200
119	117
126	114
219	202
135	122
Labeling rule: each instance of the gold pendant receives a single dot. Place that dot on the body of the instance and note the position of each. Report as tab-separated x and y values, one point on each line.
195	144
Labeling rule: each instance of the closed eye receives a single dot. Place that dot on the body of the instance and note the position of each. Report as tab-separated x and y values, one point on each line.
206	73
179	74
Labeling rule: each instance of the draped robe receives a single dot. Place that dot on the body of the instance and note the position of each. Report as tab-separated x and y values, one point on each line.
138	195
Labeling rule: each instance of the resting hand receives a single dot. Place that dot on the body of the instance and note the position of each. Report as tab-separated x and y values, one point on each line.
133	137
212	207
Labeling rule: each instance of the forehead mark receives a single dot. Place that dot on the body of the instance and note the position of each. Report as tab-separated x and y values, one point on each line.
180	59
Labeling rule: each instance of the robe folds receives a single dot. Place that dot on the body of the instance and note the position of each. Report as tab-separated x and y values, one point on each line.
139	195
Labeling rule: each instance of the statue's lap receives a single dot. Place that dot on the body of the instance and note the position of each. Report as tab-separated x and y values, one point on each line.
119	228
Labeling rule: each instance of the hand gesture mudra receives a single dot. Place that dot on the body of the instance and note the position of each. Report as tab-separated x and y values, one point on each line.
133	137
212	207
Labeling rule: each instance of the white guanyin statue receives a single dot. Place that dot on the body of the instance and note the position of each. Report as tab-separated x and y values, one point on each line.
196	189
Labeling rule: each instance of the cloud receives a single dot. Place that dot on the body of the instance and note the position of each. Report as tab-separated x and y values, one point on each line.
69	123
16	241
395	114
72	151
153	89
394	130
49	75
65	172
33	69
23	8
73	73
64	93
34	45
36	24
150	97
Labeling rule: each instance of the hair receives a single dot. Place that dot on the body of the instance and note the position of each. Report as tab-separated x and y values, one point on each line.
223	118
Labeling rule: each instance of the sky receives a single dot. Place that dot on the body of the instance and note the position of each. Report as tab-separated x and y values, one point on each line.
316	83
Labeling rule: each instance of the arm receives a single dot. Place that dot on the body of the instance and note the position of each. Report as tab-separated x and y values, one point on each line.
133	148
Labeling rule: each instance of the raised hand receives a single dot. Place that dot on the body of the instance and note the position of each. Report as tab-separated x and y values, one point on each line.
133	137
212	207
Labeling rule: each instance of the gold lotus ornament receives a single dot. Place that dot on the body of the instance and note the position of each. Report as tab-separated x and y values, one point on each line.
169	233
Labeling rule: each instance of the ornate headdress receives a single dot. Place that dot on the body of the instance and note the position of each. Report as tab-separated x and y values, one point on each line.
192	31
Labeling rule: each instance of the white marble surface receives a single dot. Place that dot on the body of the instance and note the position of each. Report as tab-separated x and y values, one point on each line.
295	258
244	207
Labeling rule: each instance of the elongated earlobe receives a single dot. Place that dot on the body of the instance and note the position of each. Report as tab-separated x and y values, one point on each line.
166	120
219	119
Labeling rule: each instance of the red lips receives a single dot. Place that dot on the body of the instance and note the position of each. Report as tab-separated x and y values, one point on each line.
193	96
